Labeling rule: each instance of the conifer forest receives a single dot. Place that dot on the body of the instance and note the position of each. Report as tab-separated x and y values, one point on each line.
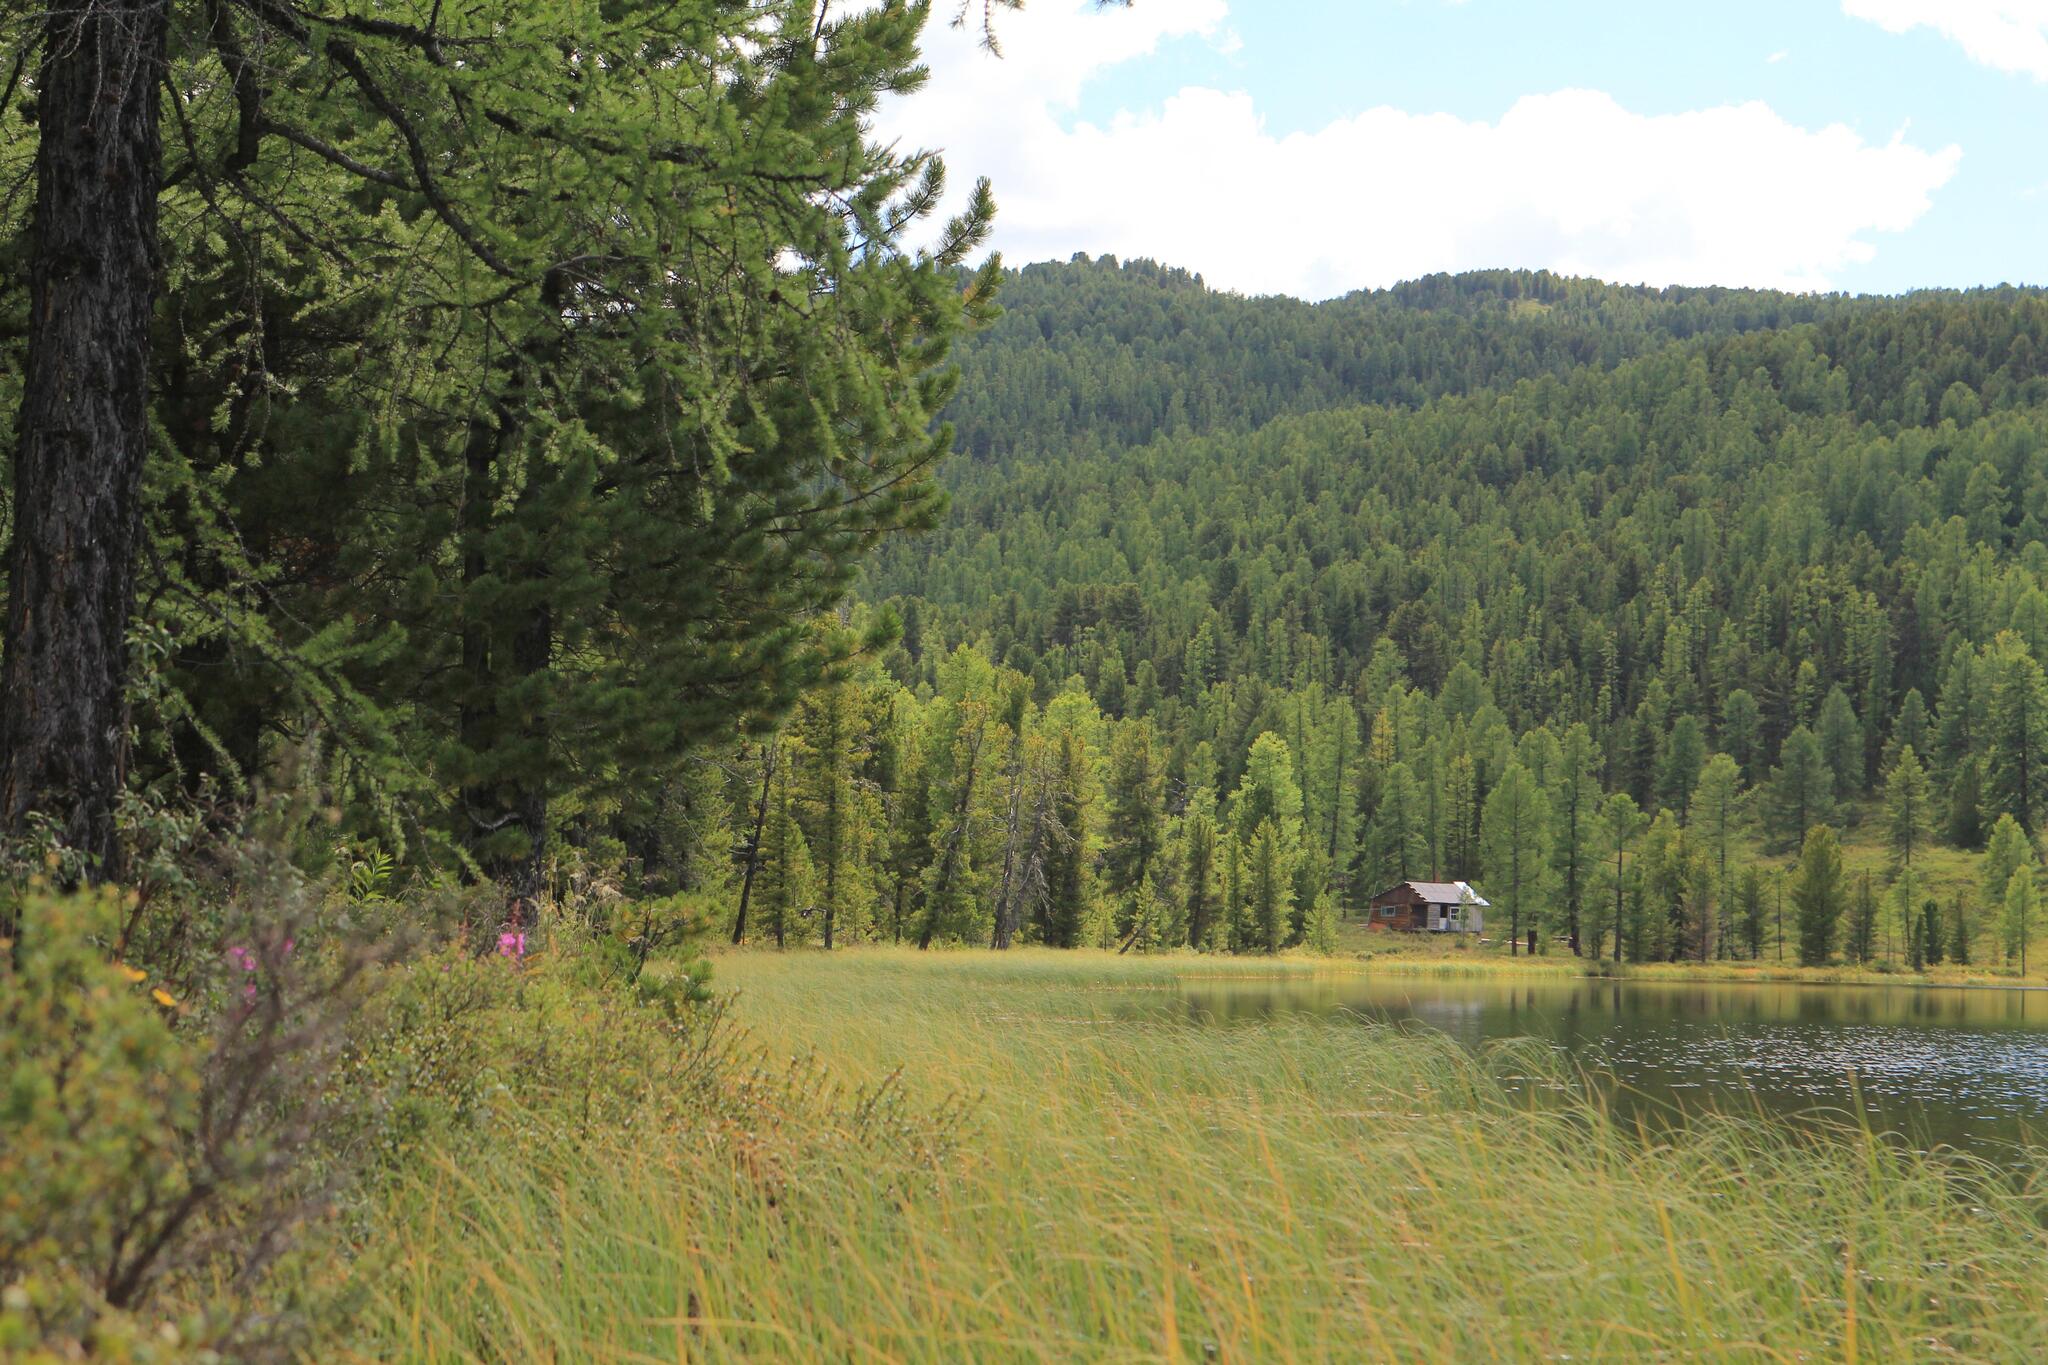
617	740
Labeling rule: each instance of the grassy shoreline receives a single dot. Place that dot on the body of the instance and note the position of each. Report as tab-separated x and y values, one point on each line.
1431	960
1561	965
1015	1171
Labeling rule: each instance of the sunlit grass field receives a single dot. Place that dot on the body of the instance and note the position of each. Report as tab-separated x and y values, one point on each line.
973	1156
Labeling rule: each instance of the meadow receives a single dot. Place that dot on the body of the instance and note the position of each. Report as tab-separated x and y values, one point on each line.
962	1155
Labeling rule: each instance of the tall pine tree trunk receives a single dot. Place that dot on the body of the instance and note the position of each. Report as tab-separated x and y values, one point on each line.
477	715
500	655
753	852
833	825
936	900
84	430
1572	895
533	650
1515	909
1618	853
1006	909
1781	923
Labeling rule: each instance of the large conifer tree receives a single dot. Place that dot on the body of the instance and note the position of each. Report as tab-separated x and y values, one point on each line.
1819	893
1515	840
1802	791
2016	725
665	454
652	368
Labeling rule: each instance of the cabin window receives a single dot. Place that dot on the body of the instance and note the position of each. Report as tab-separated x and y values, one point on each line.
1386	912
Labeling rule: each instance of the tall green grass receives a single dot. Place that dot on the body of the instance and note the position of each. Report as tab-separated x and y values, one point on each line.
1125	1186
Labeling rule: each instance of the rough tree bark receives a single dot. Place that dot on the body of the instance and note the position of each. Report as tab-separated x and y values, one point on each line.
83	431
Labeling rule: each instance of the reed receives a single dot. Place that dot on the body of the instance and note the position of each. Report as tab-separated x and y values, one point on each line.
993	1158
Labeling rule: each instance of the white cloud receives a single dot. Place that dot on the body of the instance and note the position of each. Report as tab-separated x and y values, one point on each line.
1780	55
2008	35
1568	180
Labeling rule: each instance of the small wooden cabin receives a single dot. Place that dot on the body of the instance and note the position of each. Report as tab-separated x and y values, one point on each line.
1429	908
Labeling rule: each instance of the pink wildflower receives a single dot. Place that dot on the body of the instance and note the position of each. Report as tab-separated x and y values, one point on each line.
242	957
512	943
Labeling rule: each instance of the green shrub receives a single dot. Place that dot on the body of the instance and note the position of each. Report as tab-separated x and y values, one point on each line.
190	1082
163	1089
577	1016
98	1091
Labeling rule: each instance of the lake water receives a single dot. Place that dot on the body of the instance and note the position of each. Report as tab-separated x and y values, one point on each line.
1962	1067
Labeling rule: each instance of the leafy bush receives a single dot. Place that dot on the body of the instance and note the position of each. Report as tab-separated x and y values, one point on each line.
585	1014
158	1113
196	1073
97	1090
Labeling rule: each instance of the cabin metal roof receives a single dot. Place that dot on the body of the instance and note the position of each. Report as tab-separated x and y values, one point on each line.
1442	893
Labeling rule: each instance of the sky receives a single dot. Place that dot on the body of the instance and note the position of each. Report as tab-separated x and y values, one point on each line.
1313	147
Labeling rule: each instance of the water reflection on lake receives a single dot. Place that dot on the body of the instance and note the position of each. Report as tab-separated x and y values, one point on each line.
1959	1066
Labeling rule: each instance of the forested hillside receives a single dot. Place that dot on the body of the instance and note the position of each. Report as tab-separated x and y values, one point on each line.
1520	565
1723	470
1103	353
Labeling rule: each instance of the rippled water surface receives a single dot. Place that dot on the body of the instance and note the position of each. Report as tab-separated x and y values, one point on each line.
1959	1066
